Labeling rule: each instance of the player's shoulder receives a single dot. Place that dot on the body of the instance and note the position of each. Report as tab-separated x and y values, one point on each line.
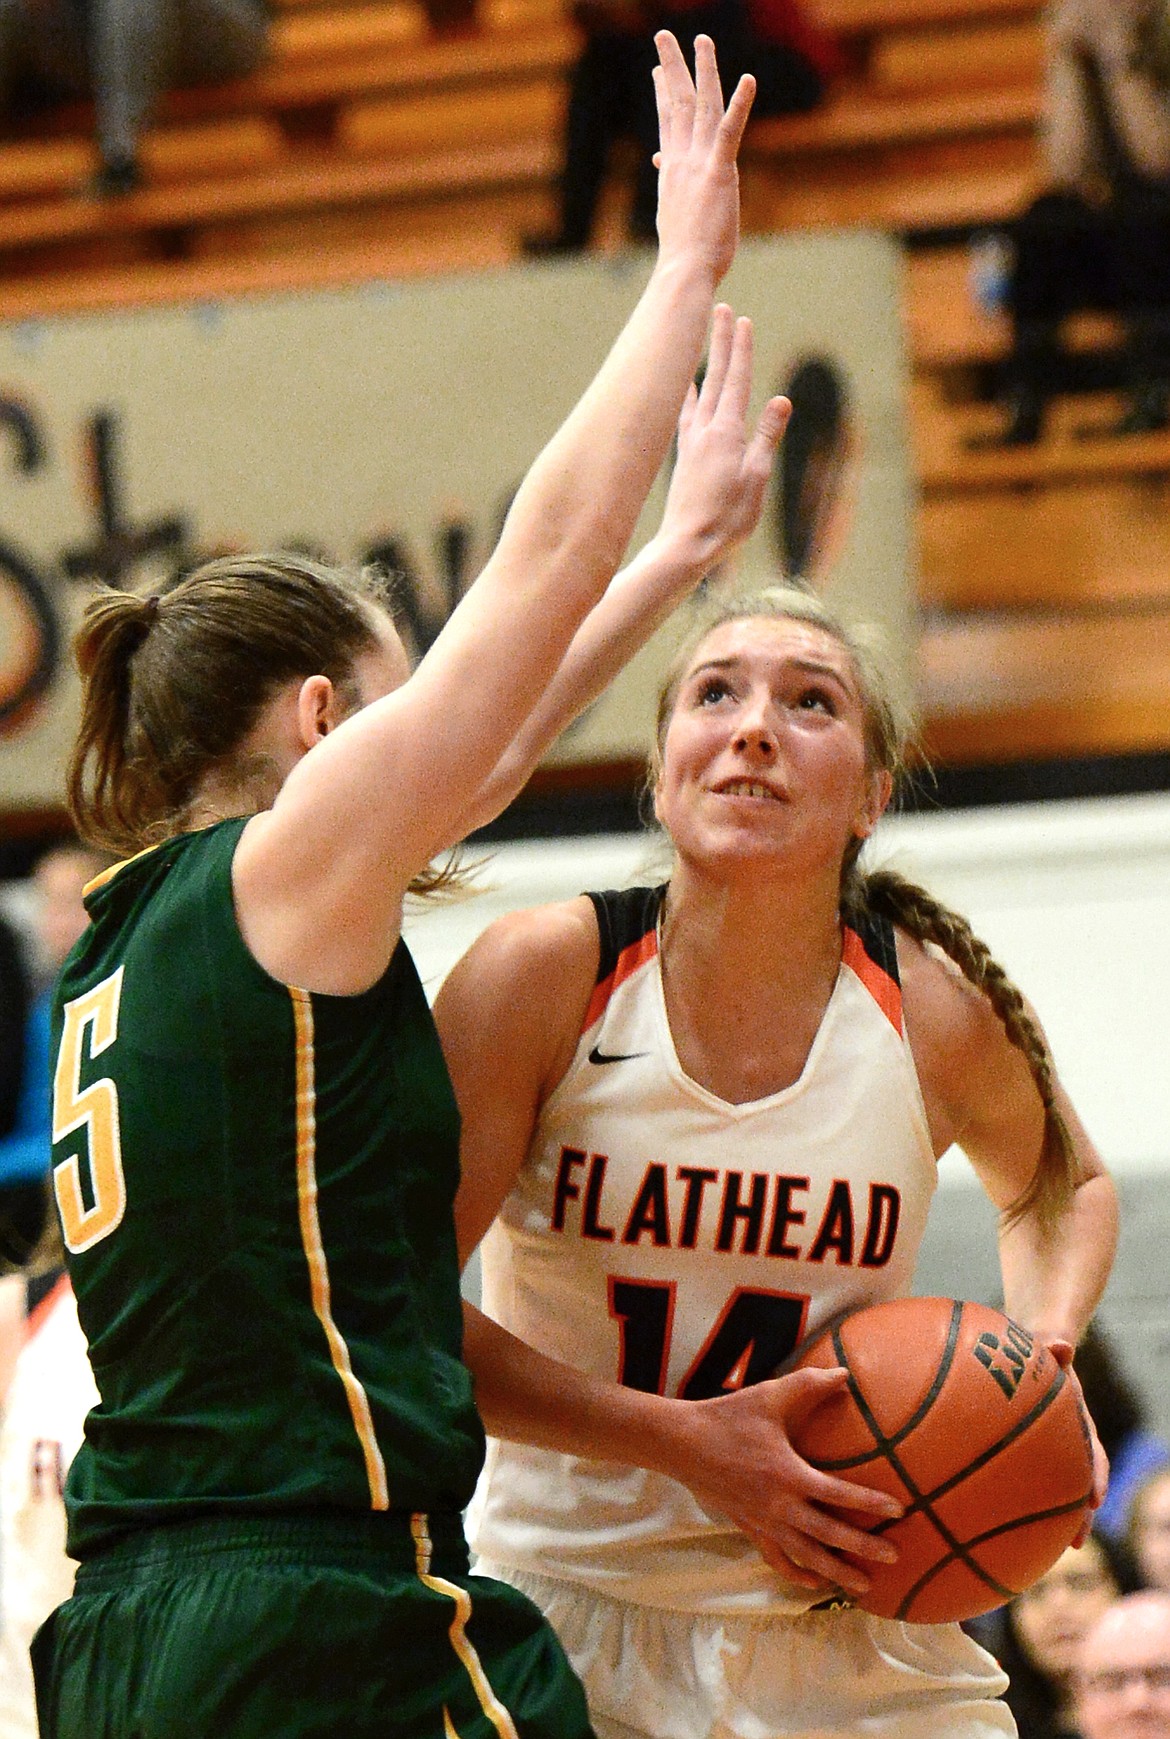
562	934
953	1028
526	961
526	982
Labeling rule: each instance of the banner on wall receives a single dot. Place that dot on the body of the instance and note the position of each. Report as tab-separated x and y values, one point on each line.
392	422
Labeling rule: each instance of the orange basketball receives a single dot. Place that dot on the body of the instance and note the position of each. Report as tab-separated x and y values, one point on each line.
964	1418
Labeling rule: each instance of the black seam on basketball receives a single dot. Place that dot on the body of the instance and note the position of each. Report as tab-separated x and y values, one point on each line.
988	1454
928	1576
1036	1516
921	1502
980	1540
946	1360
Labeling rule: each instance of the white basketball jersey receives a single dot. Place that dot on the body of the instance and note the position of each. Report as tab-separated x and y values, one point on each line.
688	1246
52	1391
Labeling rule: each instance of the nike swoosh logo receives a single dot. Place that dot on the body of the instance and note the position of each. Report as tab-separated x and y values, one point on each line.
596	1056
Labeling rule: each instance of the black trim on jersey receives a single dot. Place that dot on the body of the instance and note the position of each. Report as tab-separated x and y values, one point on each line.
623	917
878	938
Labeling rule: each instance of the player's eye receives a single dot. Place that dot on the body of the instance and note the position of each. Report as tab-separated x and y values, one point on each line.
712	689
817	699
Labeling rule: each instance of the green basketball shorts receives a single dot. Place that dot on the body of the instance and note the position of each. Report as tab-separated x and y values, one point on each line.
316	1627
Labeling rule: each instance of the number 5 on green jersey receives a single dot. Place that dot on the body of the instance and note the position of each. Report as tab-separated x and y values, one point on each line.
90	1186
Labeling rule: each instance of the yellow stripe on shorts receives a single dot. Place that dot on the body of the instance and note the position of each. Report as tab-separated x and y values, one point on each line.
488	1701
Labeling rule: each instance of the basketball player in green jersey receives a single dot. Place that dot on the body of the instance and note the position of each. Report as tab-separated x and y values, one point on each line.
255	1139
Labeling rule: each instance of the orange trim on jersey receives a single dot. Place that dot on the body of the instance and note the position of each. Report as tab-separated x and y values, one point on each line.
36	1317
495	1711
628	962
359	1403
886	991
107	875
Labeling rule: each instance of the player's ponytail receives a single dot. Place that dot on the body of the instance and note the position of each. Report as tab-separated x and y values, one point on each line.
883	893
106	780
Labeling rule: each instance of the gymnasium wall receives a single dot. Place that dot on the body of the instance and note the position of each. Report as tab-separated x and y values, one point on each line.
1075	900
394	419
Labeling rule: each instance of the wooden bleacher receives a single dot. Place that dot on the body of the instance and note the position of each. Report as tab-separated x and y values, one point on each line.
360	109
368	145
1043	570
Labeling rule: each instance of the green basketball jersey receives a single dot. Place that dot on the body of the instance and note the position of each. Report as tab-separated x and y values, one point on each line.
255	1185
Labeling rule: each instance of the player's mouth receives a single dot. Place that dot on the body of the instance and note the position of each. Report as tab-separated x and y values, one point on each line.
748	788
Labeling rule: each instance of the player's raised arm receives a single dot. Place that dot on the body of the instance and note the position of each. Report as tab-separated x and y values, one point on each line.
357	819
716	495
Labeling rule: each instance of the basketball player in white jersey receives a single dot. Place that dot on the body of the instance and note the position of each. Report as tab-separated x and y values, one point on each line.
708	1116
52	1390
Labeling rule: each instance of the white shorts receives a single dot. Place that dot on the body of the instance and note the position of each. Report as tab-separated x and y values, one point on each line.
654	1674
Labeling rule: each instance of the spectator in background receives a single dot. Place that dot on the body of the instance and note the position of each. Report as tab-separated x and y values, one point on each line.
125	54
1148	1532
46	1387
1099	237
1123	1673
1037	1636
60	918
44	1409
14	999
1134	1450
611	95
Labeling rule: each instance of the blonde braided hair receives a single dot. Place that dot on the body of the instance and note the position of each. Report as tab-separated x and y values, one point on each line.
885	894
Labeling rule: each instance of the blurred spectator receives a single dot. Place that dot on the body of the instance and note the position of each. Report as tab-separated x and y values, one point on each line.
125	54
60	918
1099	237
1134	1450
14	997
1148	1533
51	1391
611	93
1123	1673
1036	1638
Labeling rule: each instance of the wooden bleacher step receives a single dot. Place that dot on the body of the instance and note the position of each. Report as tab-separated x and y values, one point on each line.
63	167
868	17
339	30
1005	690
1071	450
371	55
453	121
309	183
154	283
1098	543
916	189
940	59
853	119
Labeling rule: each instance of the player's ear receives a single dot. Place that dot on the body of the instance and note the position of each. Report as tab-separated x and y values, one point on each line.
317	710
879	790
656	797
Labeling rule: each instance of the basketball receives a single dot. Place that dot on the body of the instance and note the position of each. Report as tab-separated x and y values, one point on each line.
963	1417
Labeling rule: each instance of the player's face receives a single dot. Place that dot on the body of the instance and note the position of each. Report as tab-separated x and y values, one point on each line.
765	752
1053	1616
1124	1678
1152	1537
